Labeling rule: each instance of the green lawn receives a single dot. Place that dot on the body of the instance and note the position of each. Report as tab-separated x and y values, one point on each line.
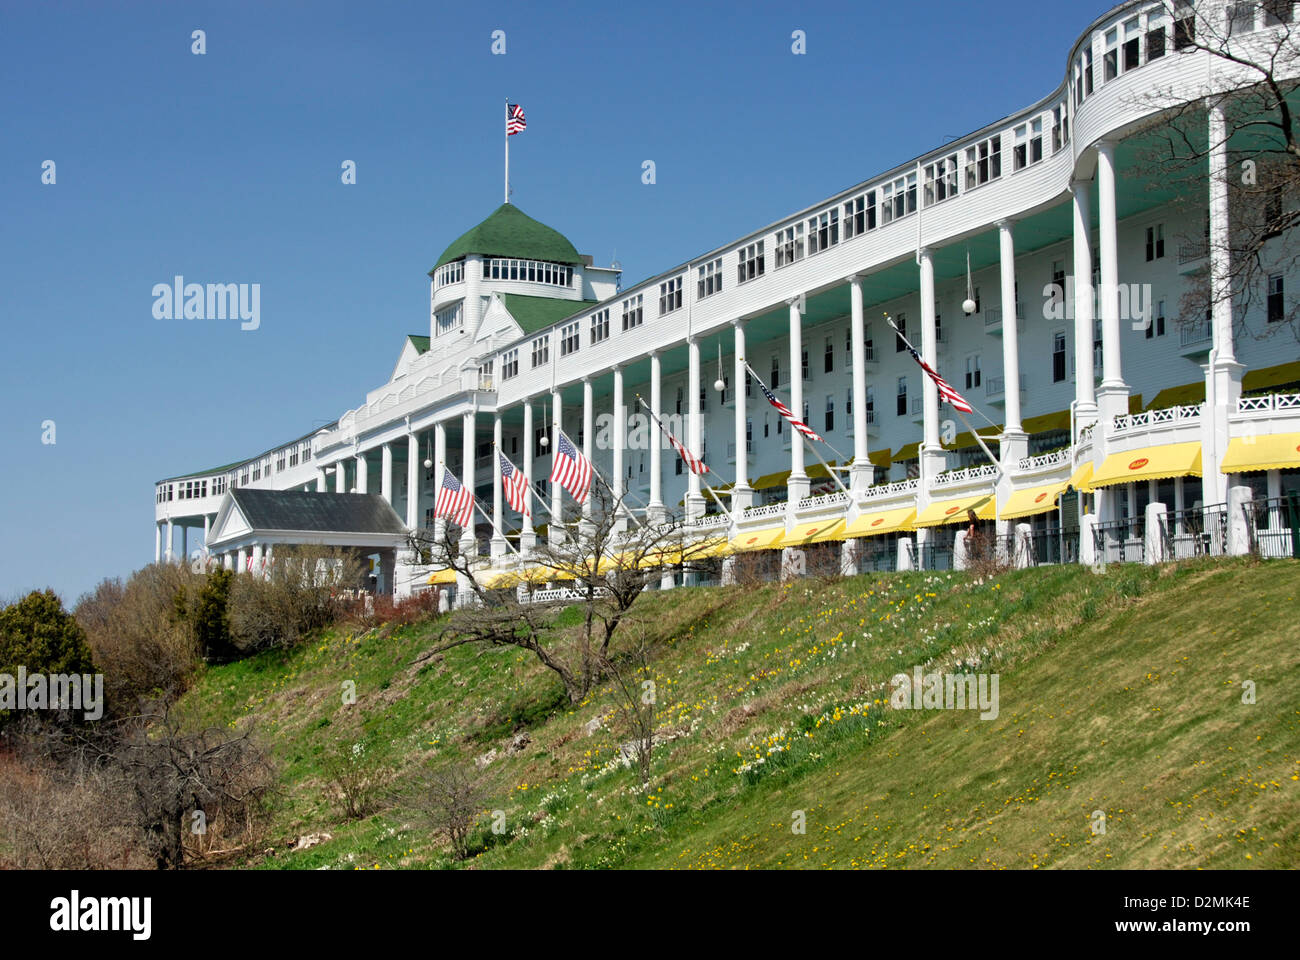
1120	693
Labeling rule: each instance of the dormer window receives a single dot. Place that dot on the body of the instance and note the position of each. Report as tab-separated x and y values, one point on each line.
453	272
449	319
530	271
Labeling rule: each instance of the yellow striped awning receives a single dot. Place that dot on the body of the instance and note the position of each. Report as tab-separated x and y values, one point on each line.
955	510
1266	377
1034	500
758	539
818	531
1183	396
908	451
1150	463
1060	420
441	576
880	458
1277	451
1081	479
707	549
768	480
502	579
881	522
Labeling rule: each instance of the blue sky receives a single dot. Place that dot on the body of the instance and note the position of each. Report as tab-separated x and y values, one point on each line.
226	168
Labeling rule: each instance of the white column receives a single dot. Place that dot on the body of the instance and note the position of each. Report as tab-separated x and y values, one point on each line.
412	480
439	464
742	494
363	480
157	542
185	543
498	511
556	529
468	543
1085	397
207	529
527	538
588	431
620	434
340	477
797	487
694	433
1108	240
655	437
1222	367
929	351
386	473
242	564
862	472
322	484
170	540
257	560
1010	344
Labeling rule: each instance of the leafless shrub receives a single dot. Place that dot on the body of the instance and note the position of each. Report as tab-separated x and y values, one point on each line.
301	592
358	771
451	801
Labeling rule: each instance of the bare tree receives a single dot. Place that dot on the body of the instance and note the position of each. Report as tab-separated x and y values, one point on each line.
603	562
1252	76
451	801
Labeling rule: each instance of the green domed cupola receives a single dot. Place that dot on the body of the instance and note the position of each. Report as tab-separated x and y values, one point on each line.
509	232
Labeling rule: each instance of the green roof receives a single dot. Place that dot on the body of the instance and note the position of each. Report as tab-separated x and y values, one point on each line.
420	343
509	232
537	313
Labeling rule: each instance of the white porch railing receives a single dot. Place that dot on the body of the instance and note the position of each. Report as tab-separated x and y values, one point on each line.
767	510
1045	461
1269	403
1151	418
962	476
708	522
886	490
823	500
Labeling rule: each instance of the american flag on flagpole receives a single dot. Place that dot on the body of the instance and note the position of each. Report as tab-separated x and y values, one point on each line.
514	484
570	469
946	392
514	119
693	463
786	412
454	501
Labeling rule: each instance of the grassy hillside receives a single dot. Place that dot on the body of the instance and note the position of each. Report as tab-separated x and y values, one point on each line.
1119	693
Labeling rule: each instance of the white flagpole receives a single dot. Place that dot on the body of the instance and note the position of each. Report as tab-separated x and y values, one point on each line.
830	472
707	468
507	132
596	472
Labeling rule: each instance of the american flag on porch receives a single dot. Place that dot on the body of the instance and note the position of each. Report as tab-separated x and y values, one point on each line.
786	412
454	501
693	463
514	484
946	392
570	469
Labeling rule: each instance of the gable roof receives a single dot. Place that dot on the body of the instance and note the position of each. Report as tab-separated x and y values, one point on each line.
316	511
420	343
509	232
537	313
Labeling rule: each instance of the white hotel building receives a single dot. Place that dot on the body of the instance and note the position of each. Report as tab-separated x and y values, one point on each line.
1120	440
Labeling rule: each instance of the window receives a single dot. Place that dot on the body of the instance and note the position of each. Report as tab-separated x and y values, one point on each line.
1156	328
570	338
1276	309
803	364
279	462
805	411
632	312
1087	72
848	404
860	215
749	435
510	364
1241	18
1278	12
973	372
824	230
1155	40
776	371
670	296
828	358
1058	282
600	325
751	262
530	271
1029	144
1110	59
848	348
1132	44
871	404
830	413
485	376
681	396
541	351
868	344
898	199
710	279
1060	127
453	272
448	319
293	458
902	397
984	162
901	322
1058	357
941	180
1184	27
789	245
539	434
1155	242
749	383
978	306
